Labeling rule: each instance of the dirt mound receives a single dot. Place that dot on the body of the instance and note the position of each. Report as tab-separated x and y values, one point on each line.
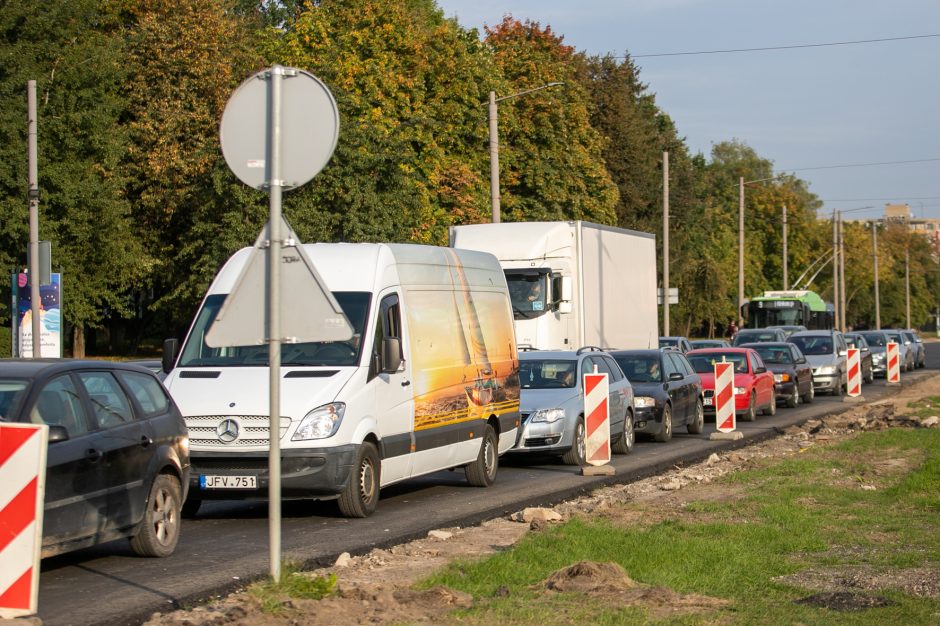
611	581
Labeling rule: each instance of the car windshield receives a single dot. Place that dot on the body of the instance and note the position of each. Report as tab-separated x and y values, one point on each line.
641	368
548	373
746	336
12	392
705	363
775	354
813	345
875	339
706	343
196	353
894	337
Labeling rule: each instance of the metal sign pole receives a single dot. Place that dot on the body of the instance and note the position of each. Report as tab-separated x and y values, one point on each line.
274	325
33	221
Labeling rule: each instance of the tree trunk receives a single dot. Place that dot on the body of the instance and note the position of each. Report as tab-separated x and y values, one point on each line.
78	341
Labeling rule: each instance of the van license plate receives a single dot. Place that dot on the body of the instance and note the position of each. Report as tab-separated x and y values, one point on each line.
228	482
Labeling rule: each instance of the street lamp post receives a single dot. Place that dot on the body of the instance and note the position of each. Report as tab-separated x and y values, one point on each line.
494	143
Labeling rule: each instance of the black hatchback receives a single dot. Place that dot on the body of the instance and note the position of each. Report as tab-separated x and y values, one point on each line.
118	458
666	391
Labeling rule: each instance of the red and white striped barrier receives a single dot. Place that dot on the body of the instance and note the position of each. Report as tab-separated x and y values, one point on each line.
724	397
894	362
22	488
597	421
855	373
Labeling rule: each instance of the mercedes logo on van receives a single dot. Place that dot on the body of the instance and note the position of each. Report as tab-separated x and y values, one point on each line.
227	431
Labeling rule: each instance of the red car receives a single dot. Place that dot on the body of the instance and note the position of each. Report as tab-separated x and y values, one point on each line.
753	383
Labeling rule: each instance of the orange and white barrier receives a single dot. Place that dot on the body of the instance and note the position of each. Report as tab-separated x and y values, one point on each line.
22	488
855	373
894	362
724	397
597	420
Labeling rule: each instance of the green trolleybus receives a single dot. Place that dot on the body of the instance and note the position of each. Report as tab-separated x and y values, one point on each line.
776	308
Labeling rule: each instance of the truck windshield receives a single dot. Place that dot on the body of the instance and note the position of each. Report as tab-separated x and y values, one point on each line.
529	294
330	353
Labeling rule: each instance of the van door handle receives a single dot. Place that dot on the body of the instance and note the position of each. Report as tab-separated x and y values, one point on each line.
405	383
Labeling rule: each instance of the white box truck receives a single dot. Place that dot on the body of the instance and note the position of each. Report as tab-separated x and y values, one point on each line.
574	283
429	381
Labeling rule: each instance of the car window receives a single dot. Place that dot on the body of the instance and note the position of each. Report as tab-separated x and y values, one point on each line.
109	403
58	405
670	365
149	393
755	361
684	365
12	392
795	353
613	368
642	368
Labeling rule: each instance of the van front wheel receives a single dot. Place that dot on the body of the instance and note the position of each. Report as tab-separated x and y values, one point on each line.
482	472
361	495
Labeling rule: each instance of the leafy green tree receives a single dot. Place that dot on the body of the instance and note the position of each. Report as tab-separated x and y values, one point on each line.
75	52
551	158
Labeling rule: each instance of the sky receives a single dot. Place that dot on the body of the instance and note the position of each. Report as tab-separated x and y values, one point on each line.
809	110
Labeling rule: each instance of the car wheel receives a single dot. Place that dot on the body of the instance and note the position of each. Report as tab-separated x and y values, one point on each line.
361	495
665	433
839	390
809	395
160	528
482	472
771	409
191	507
794	398
870	378
751	413
576	455
697	425
628	437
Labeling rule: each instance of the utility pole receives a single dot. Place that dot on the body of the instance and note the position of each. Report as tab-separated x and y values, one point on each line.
740	251
33	196
842	289
907	279
666	243
786	280
494	160
835	269
874	248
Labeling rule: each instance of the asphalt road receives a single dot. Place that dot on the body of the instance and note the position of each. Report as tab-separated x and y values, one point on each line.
227	544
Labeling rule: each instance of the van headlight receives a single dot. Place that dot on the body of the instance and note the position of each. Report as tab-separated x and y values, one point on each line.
548	415
320	423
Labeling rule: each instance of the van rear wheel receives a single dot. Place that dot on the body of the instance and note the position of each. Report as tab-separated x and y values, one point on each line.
361	495
482	472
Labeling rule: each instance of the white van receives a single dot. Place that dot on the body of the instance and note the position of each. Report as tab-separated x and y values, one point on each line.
429	381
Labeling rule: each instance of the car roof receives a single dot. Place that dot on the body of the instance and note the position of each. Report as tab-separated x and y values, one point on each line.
766	344
732	350
643	352
814	333
33	368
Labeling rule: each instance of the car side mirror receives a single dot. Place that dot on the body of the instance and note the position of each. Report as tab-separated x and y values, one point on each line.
58	433
802	359
760	370
676	376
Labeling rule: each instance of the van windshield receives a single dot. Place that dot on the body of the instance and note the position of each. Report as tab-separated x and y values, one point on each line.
196	353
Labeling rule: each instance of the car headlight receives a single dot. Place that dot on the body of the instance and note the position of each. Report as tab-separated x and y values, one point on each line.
644	402
782	378
740	390
878	358
320	423
826	370
548	415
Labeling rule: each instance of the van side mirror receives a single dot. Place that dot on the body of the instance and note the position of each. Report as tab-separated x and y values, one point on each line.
170	351
391	355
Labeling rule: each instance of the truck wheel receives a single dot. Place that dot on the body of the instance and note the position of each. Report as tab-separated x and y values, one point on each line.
361	495
482	472
697	425
665	433
627	438
159	530
577	454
